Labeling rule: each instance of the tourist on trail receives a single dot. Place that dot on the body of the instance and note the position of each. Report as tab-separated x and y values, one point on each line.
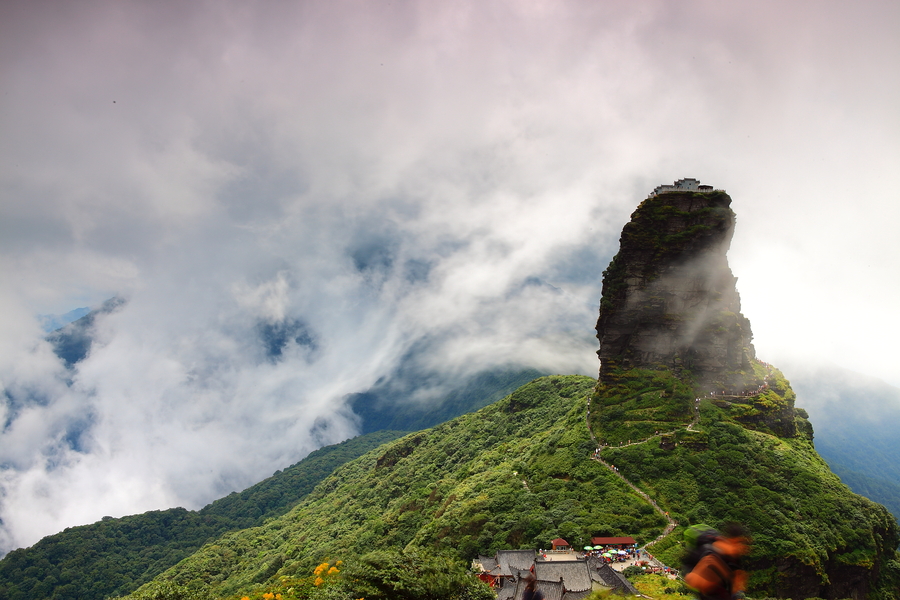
717	575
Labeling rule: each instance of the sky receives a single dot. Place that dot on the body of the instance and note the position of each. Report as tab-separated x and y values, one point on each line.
370	178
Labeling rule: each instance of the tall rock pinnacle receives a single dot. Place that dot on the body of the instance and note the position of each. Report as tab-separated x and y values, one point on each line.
669	297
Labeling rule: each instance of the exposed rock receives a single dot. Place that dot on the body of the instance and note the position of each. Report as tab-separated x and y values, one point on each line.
669	296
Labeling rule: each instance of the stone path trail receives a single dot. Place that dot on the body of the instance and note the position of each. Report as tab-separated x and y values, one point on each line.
671	524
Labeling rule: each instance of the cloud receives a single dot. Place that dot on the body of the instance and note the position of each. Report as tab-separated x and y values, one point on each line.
292	197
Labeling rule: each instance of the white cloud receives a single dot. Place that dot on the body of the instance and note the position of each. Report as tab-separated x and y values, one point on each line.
375	175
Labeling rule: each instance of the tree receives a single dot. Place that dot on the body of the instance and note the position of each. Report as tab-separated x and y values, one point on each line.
415	574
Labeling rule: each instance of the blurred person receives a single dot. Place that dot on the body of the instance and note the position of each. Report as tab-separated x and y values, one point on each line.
531	591
717	573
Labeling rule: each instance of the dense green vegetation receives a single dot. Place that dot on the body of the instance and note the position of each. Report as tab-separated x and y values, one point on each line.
93	561
880	490
115	556
515	474
660	586
408	574
413	574
640	403
743	463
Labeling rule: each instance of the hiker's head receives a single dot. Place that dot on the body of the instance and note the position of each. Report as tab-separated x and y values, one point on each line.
734	541
732	529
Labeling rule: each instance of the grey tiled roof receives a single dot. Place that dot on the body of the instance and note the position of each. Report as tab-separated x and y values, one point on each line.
612	578
519	573
576	595
552	590
507	592
511	561
488	563
596	569
573	573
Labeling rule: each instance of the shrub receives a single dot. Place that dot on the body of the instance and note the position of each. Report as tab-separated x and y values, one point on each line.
632	571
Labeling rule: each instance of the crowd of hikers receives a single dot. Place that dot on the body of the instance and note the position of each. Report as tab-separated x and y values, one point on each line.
612	554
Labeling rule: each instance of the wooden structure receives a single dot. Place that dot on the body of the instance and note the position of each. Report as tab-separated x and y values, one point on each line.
560	545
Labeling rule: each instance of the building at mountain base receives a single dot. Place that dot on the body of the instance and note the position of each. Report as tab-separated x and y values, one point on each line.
563	576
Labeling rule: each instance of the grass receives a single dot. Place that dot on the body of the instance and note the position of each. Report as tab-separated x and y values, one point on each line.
653	585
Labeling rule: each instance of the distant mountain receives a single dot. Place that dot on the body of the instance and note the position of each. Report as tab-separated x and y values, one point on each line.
883	491
395	403
72	343
856	420
53	322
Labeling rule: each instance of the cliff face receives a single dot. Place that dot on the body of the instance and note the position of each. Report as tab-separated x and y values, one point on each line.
669	297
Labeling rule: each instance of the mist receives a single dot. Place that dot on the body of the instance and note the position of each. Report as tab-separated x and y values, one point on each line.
291	198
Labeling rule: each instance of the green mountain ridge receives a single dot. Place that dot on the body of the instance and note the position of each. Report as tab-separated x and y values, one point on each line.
519	473
879	490
514	474
691	482
742	462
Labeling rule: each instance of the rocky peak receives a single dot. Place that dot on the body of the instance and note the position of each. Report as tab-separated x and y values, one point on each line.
669	297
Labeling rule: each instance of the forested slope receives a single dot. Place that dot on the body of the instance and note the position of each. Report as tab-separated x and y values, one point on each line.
115	556
519	473
516	474
743	460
